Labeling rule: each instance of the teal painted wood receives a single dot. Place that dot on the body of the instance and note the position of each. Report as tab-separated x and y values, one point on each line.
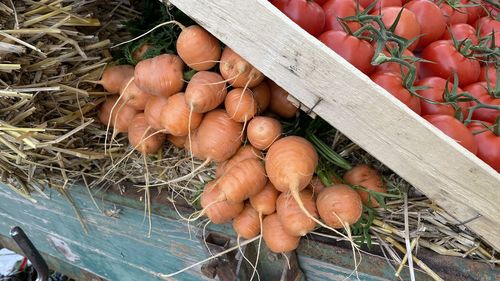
119	249
116	249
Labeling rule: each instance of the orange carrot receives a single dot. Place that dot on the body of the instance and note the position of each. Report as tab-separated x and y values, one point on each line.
205	91
279	103
218	211
262	132
262	95
240	105
238	71
247	223
177	141
339	206
245	152
294	221
133	96
174	116
153	110
368	178
113	77
199	49
219	137
264	202
161	75
277	240
246	178
140	136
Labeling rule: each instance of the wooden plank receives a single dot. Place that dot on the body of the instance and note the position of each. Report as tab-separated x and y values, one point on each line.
439	167
116	249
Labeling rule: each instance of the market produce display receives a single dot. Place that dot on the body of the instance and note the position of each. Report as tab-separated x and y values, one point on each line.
176	109
218	110
447	44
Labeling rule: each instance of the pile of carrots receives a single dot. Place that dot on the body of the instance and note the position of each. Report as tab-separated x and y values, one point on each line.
265	186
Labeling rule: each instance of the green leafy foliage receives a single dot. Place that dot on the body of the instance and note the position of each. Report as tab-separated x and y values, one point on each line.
160	41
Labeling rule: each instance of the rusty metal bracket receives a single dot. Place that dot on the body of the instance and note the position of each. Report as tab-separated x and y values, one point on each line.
223	267
232	266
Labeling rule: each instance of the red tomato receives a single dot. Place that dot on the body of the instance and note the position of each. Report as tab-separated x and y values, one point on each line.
407	27
435	92
395	67
474	12
486	26
307	14
488	72
340	9
382	4
480	91
454	129
356	51
491	9
488	145
394	85
431	20
447	60
453	15
461	31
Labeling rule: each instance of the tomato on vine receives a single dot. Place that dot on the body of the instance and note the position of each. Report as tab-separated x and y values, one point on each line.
445	60
336	9
454	129
407	26
435	92
393	83
461	31
453	13
431	20
306	13
488	144
480	91
356	51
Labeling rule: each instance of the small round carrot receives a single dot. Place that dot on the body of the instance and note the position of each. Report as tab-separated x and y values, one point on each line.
279	103
161	75
240	105
153	111
264	202
205	91
291	216
142	137
113	77
246	178
177	141
277	240
262	95
367	177
133	96
245	152
247	223
216	210
199	49
238	71
219	137
175	116
263	131
339	206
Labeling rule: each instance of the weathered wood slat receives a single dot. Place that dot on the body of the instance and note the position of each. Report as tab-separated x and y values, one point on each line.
435	164
116	249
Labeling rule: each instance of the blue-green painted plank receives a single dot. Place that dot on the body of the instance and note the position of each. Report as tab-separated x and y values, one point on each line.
116	249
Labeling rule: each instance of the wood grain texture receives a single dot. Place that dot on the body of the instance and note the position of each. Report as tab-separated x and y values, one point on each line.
439	167
116	249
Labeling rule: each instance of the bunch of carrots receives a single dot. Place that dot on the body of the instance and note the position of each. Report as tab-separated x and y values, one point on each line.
266	186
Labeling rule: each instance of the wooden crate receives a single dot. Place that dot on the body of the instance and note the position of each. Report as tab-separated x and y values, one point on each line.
119	249
443	170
